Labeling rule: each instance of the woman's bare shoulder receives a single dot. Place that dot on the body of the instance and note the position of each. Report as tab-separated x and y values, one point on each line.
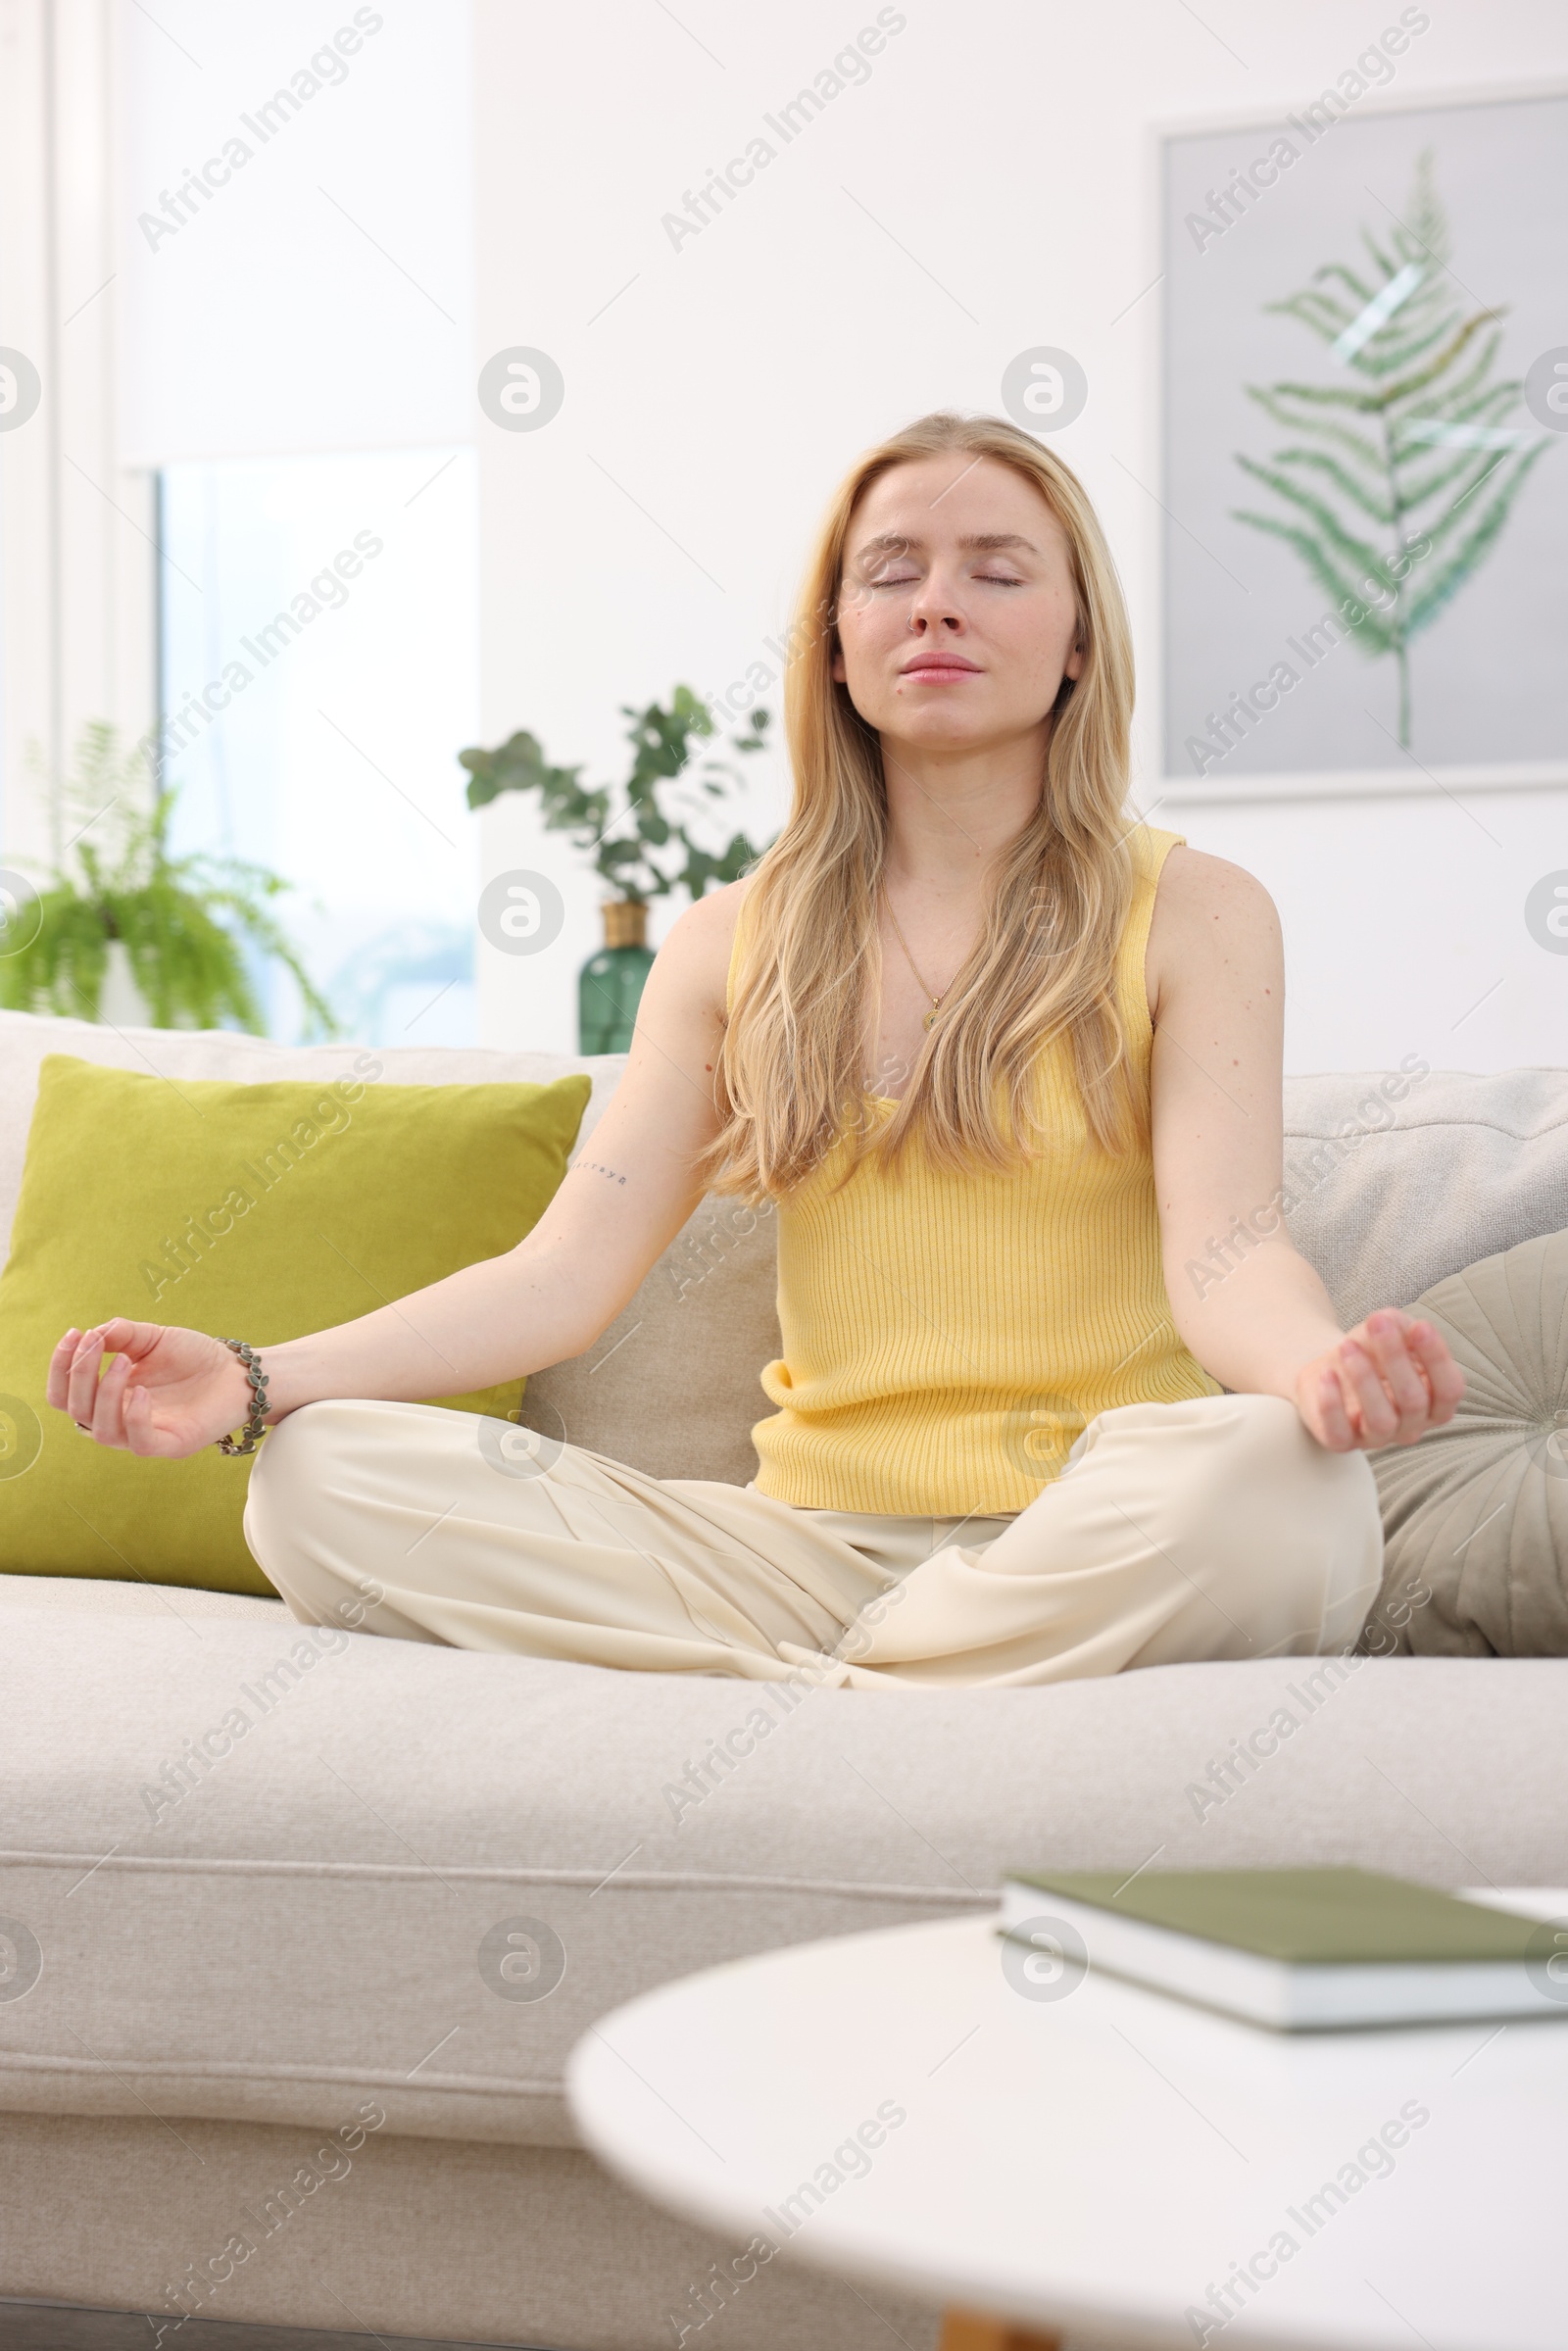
697	949
1208	915
1194	882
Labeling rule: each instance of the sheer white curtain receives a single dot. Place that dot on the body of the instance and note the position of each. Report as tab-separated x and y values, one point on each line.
296	265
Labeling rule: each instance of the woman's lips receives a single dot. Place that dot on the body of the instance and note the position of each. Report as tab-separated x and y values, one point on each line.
940	673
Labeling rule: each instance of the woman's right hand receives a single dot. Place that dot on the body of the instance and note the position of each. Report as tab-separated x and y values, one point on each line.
166	1392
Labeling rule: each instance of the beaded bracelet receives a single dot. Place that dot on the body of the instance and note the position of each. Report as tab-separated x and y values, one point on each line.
254	1430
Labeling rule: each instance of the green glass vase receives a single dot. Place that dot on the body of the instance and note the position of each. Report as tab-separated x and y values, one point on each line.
610	985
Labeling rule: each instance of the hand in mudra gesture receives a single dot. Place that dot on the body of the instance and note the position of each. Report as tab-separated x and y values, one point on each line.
166	1392
1388	1382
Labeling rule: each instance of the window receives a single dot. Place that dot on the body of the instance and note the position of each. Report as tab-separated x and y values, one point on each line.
320	676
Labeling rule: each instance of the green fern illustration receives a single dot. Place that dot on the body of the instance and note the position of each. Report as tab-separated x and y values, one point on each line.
1411	457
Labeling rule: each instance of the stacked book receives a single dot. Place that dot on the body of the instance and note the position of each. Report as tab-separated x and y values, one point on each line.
1300	1950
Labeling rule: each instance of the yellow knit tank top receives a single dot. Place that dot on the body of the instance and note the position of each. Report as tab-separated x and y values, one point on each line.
948	1337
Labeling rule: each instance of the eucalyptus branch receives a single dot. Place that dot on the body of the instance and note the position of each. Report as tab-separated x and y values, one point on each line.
623	835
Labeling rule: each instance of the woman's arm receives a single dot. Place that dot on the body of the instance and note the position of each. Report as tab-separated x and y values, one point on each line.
622	1201
1245	1300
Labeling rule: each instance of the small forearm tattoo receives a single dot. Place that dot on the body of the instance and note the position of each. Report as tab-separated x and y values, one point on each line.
598	1167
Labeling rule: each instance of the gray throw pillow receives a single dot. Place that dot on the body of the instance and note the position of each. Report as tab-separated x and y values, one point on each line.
1475	1517
675	1384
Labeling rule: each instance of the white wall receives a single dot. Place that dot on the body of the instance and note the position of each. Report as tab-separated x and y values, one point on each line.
1404	917
989	188
294	228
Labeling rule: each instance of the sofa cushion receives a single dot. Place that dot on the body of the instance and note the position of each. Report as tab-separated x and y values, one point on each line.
1476	1515
1397	1179
674	1387
262	1871
180	1053
263	1210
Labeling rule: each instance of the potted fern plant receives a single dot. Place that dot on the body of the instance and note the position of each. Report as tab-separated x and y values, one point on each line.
125	908
665	739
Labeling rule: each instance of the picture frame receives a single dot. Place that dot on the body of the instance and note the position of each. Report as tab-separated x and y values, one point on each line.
1430	258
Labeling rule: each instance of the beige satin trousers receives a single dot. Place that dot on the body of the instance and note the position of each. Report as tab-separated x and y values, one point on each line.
1214	1528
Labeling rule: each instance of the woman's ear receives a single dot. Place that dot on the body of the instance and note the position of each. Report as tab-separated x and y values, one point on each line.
1073	666
840	677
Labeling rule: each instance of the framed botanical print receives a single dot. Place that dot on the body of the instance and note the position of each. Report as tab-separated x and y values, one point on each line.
1365	356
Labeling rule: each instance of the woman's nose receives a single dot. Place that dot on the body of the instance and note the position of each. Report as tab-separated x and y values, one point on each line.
934	605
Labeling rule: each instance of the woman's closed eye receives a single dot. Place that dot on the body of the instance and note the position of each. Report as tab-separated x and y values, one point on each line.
909	579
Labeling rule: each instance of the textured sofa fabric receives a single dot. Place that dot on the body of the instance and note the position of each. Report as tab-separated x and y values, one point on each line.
234	1953
1477	1515
1390	1196
320	1915
433	2238
675	1382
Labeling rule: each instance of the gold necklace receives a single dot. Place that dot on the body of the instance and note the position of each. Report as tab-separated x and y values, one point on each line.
925	987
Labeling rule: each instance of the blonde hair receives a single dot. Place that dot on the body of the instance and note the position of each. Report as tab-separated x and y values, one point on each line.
787	1078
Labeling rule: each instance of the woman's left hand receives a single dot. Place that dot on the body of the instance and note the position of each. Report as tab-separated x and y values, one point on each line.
1387	1382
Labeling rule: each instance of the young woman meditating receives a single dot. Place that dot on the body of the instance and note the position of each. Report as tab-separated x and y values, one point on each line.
1008	1064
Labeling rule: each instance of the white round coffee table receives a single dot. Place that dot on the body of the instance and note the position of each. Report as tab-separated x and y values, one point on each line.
1098	2157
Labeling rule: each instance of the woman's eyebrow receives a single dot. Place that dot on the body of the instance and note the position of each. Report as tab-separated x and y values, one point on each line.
898	541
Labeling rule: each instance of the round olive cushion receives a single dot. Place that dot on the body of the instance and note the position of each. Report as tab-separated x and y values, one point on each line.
1475	1517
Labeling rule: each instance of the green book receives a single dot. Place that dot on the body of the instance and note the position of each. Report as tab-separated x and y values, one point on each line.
1300	1950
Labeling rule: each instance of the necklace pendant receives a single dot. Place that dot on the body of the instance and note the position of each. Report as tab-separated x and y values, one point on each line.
929	1018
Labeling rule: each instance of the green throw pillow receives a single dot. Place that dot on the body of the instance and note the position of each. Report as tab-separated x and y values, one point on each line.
251	1212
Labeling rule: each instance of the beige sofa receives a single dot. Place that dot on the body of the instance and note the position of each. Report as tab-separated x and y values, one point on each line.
269	2071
